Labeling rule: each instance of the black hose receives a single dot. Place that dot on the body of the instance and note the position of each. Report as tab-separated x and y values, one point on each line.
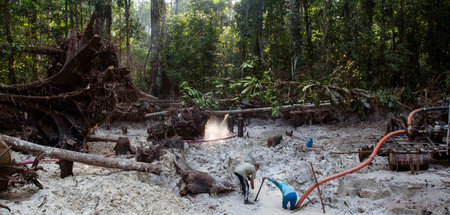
435	108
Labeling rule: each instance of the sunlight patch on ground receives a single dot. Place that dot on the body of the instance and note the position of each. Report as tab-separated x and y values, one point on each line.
216	128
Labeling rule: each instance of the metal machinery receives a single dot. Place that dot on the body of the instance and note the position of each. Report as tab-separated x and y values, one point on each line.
426	140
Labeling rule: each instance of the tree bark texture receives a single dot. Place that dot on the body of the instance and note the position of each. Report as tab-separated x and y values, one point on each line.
127	31
296	35
308	32
195	182
96	160
12	74
156	47
325	35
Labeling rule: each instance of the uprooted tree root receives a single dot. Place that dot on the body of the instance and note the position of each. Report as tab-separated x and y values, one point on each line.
60	110
12	173
188	123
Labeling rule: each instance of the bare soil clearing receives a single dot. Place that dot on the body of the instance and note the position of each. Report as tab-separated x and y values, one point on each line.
372	190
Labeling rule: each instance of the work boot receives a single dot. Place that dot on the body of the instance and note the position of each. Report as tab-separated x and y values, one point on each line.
247	202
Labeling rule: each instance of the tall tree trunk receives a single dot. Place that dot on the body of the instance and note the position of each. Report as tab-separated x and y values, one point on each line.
104	10
120	34
258	50
127	31
368	7
66	17
325	34
12	74
308	31
347	29
81	15
34	75
382	60
75	14
72	25
401	29
156	58
176	6
296	35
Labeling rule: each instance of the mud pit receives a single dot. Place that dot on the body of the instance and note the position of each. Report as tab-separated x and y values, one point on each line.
372	190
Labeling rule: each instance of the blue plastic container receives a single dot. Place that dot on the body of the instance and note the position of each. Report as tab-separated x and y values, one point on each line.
309	143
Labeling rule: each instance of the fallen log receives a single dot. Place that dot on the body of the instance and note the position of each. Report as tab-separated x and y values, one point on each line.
249	110
275	140
46	50
101	138
73	156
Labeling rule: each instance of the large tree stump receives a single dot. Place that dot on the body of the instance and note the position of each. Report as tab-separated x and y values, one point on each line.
195	182
273	141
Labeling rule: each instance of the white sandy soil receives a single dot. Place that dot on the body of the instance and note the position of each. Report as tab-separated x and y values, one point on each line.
372	190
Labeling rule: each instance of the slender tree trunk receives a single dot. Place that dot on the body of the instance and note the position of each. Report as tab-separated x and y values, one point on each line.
66	17
347	29
176	7
258	50
34	75
71	23
382	61
401	27
368	7
156	58
308	31
296	35
75	14
120	35
245	33
81	14
12	74
49	13
127	31
325	34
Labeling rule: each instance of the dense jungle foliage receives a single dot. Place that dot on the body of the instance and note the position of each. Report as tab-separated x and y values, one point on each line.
358	54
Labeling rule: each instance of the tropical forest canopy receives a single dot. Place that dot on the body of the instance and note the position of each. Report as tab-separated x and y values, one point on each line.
355	53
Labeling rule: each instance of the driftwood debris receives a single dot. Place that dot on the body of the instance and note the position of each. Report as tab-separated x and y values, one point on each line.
13	173
249	110
102	138
273	141
83	91
195	182
148	153
188	123
123	146
72	156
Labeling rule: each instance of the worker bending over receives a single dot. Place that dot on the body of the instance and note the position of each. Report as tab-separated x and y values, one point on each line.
289	195
246	171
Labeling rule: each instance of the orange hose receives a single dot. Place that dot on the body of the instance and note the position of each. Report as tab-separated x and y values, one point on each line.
411	115
409	129
354	169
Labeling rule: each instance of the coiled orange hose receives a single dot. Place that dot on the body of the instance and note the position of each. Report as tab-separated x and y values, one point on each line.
354	169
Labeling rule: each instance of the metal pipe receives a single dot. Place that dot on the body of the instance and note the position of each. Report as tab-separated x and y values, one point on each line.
356	168
411	116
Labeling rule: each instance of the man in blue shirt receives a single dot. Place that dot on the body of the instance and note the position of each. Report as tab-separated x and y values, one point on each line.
289	195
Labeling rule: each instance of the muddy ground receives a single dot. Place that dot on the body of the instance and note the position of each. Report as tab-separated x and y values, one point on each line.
372	190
